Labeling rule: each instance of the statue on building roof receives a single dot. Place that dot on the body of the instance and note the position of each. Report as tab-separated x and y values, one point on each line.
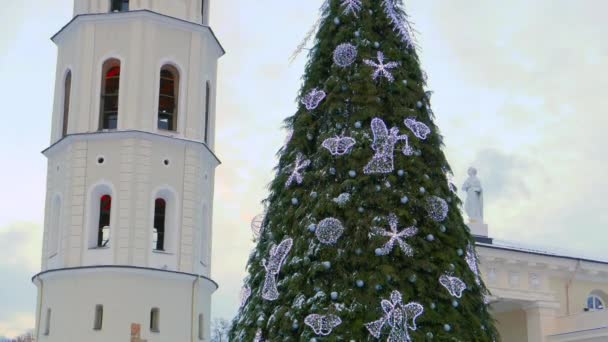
474	202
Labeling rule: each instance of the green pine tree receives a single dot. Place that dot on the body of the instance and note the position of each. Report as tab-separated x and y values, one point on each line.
322	242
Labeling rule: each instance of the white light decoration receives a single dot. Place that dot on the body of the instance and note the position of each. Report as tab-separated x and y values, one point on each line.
258	336
257	225
342	199
400	23
419	129
384	146
382	69
345	55
339	146
454	285
450	179
245	294
437	208
398	317
298	167
313	98
329	230
395	236
351	6
472	261
277	256
322	325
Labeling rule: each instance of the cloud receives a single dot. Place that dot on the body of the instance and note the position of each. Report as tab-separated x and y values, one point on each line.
20	246
18	324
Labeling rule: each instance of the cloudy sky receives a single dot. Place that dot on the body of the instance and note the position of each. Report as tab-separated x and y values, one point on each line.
521	92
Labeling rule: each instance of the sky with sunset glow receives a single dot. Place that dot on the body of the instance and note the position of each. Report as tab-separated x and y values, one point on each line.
521	92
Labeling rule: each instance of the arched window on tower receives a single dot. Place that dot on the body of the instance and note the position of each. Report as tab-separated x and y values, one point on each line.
207	108
160	210
108	118
103	230
119	6
167	98
67	88
595	302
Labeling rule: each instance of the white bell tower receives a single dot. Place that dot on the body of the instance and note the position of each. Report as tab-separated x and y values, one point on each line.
127	234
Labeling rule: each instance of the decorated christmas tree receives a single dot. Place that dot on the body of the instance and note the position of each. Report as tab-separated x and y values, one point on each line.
363	238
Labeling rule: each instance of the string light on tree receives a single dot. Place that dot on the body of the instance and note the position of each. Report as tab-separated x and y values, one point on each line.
245	294
277	257
257	225
382	69
437	208
329	231
398	317
384	146
339	146
313	99
298	167
395	236
471	258
419	129
322	324
351	6
258	336
454	285
345	54
400	23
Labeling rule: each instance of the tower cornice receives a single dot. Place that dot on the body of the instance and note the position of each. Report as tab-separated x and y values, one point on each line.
120	16
126	134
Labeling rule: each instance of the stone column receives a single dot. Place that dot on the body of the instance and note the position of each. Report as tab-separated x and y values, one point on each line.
540	318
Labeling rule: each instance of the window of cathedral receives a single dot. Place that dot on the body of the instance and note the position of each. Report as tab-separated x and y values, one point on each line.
47	324
155	320
203	11
201	323
105	211
595	303
110	94
98	322
167	98
207	106
160	209
119	6
67	88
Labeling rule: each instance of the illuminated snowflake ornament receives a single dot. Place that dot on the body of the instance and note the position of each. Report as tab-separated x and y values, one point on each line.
277	256
398	317
339	146
313	98
473	262
245	294
329	231
437	208
384	146
322	325
454	285
400	23
345	55
395	236
298	168
419	129
382	69
351	6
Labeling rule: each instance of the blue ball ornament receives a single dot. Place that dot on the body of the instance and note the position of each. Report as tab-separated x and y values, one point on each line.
357	34
429	335
339	126
460	252
352	173
334	295
376	45
326	264
433	306
332	170
358	124
455	303
294	201
360	283
378	287
419	104
312	227
442	229
361	210
337	21
430	238
447	327
358	251
404	200
379	252
422	190
413	278
401	173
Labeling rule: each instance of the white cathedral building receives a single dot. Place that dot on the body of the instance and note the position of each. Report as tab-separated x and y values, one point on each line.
127	233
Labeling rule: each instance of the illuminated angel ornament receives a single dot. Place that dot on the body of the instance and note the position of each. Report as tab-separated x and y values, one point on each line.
382	69
322	325
277	257
245	294
454	285
384	146
437	208
313	98
329	230
395	236
351	6
420	130
298	167
471	259
400	23
339	146
398	317
345	55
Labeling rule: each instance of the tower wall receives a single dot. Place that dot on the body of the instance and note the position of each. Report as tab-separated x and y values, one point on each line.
100	252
